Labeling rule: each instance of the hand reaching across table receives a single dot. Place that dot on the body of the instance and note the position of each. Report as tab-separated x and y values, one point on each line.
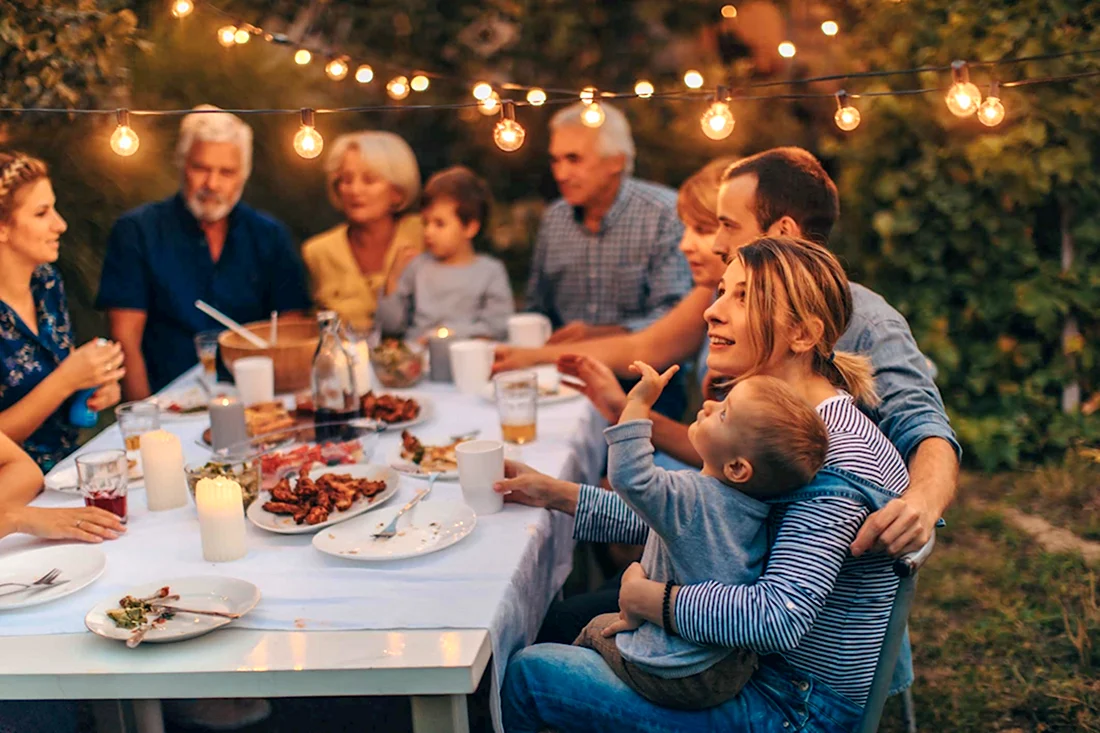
597	382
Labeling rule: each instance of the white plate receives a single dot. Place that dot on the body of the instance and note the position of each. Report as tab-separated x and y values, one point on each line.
187	401
204	593
80	564
427	411
64	478
284	523
431	526
408	468
564	394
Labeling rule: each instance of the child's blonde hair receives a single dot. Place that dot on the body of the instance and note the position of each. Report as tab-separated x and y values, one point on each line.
787	439
795	281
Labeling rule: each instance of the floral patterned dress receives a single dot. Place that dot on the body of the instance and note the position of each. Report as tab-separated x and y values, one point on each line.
27	359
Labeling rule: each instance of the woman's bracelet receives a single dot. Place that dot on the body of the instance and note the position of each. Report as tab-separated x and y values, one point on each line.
666	617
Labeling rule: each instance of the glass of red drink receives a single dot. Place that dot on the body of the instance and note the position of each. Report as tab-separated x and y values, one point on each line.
103	477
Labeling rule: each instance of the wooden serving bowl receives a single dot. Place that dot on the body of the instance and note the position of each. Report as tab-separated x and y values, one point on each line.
292	353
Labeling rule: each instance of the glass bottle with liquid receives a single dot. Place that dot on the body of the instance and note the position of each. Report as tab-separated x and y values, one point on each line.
335	395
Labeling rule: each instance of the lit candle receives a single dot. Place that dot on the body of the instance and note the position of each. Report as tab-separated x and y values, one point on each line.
439	352
221	519
227	425
162	461
363	379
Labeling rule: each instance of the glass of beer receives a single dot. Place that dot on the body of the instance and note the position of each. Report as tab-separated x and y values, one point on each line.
135	419
206	345
102	477
517	402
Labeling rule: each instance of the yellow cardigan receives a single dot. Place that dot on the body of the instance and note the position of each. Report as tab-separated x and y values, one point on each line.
338	283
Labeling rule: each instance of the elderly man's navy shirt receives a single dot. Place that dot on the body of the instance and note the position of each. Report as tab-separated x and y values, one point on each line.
158	261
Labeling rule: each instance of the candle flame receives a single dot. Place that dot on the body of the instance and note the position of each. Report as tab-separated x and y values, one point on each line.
443	333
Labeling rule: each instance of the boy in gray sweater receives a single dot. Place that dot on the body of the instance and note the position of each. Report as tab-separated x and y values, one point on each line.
762	441
450	284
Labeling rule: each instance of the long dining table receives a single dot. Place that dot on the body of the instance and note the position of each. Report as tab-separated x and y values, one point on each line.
427	627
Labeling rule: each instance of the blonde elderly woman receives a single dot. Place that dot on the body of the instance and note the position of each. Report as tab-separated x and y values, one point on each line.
373	178
201	243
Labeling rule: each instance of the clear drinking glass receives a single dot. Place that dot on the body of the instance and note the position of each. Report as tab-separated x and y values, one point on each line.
135	419
103	477
517	402
206	346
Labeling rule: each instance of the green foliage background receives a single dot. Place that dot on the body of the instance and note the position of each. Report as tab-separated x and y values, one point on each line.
959	226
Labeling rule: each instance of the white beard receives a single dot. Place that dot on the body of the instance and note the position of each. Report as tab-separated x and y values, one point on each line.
209	208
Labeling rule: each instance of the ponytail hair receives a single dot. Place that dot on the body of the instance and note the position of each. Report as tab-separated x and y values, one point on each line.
793	281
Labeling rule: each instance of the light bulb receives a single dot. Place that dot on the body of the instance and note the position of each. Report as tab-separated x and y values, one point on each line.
364	74
593	115
308	143
963	99
643	89
182	8
242	37
398	87
717	121
336	69
991	112
830	28
588	94
302	57
227	35
124	141
490	105
693	79
482	91
508	135
847	118
536	97
419	83
787	50
729	11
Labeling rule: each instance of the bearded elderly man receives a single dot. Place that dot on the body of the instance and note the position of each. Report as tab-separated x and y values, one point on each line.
200	244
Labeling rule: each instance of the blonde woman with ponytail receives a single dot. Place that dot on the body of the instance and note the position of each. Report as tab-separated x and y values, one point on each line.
817	615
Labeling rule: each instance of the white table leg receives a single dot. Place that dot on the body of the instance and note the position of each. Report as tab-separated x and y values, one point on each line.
440	714
148	717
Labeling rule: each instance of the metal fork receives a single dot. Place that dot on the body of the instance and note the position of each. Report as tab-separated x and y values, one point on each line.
391	529
45	581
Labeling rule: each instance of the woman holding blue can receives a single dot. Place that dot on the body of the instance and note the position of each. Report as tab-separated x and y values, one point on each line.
48	389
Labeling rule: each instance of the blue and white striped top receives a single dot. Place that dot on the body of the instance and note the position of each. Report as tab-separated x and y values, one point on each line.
823	610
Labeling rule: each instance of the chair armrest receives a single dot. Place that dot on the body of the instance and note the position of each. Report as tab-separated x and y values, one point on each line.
907	565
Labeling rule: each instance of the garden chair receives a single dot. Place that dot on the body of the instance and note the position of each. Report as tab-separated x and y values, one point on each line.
906	568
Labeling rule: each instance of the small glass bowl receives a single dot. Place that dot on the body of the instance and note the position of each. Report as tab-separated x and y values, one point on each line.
398	364
245	471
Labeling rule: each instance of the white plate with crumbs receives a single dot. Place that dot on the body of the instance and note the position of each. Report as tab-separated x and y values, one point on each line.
431	526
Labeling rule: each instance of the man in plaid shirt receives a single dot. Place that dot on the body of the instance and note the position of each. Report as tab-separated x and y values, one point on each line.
607	256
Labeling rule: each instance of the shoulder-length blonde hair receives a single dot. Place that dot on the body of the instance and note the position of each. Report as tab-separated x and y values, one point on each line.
387	154
697	201
792	281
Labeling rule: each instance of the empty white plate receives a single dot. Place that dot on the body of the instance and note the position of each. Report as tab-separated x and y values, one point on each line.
79	564
284	523
203	593
429	527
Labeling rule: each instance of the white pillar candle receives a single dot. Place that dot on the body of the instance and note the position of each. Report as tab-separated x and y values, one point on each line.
221	519
162	461
363	379
227	423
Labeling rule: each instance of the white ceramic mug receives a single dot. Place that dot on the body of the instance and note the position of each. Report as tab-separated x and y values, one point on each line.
255	378
529	330
471	365
480	465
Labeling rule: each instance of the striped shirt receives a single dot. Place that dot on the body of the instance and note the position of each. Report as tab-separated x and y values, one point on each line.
823	610
630	273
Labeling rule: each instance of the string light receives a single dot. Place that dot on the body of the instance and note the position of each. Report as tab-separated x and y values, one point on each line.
830	28
509	134
242	37
490	105
787	50
536	97
693	79
963	97
182	8
337	69
227	35
991	112
398	87
717	122
846	117
302	57
593	115
419	83
308	143
588	94
124	141
729	11
643	89
482	91
364	74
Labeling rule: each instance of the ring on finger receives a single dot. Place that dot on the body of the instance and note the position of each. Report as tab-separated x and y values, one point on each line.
79	522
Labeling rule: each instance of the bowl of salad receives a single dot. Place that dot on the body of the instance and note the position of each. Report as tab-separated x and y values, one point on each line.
397	363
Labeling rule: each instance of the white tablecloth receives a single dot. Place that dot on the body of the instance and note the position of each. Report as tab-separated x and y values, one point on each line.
501	578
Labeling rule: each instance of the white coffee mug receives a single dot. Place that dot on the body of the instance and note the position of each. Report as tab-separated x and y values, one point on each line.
529	330
471	365
480	465
255	378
